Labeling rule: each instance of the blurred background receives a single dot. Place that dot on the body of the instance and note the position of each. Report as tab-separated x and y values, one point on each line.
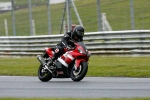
48	17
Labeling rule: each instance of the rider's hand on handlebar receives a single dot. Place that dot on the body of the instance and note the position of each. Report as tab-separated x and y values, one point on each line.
70	47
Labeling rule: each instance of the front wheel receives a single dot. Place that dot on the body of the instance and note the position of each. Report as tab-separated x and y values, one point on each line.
78	75
43	74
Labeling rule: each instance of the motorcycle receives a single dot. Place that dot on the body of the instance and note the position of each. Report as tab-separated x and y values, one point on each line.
72	64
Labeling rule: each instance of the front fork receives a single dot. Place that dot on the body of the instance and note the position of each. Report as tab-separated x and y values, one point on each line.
78	62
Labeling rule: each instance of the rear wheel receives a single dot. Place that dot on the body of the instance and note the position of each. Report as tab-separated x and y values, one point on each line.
78	75
43	74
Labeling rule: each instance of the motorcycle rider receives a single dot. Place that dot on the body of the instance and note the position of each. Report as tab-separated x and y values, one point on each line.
75	35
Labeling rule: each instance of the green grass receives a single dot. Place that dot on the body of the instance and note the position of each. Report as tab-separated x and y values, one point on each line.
119	66
19	66
118	15
98	66
75	98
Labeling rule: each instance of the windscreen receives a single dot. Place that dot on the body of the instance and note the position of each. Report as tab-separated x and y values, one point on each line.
82	45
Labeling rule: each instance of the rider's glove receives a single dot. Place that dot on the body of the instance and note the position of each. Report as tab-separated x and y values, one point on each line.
68	47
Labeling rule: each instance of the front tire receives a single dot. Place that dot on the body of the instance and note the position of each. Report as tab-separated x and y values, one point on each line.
43	74
79	74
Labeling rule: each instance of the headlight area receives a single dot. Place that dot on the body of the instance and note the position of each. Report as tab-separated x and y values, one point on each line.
81	51
88	54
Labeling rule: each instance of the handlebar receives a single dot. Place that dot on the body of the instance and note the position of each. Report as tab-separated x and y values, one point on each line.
69	47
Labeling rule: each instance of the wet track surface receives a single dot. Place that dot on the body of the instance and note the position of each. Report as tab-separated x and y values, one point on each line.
89	87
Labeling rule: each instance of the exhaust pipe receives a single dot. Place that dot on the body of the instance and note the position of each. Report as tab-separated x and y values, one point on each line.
41	60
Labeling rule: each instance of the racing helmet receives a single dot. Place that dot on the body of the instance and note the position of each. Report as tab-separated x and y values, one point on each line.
78	33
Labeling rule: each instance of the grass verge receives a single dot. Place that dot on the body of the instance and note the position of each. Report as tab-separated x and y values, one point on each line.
98	66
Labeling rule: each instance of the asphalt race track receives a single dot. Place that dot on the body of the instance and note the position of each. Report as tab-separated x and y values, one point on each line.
89	87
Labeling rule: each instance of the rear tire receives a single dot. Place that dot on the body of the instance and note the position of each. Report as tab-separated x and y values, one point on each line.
44	75
80	74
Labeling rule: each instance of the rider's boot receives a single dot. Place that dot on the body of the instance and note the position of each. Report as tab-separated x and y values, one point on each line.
52	60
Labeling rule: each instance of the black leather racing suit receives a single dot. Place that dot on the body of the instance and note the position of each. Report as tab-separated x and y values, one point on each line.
65	41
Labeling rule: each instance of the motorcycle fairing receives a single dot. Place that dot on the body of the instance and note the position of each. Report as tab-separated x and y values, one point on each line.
62	61
69	56
49	51
78	62
62	71
78	58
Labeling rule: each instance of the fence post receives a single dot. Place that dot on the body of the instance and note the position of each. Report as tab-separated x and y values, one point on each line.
33	27
13	18
68	15
49	18
75	9
6	27
100	28
132	14
63	20
30	16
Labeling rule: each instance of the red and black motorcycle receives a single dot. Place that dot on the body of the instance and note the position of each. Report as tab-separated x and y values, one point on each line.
72	64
